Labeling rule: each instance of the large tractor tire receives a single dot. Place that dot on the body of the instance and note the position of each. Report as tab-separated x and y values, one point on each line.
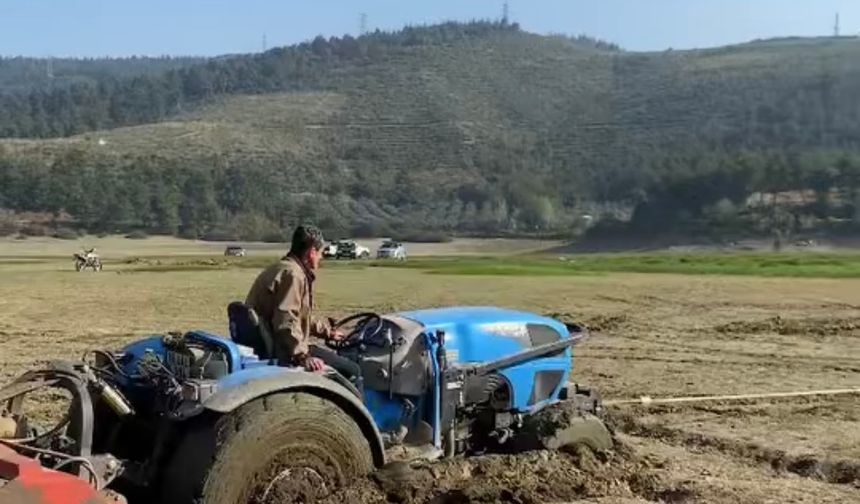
283	448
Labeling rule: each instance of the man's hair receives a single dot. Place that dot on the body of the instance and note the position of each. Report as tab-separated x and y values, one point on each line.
304	238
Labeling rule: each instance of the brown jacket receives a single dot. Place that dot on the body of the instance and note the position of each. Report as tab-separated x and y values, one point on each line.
282	295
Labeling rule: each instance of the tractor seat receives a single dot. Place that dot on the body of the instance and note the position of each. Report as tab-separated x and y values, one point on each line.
247	329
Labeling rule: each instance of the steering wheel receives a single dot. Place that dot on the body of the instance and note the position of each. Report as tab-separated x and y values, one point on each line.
367	326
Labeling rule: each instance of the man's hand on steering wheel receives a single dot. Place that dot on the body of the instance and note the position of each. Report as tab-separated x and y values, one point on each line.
366	325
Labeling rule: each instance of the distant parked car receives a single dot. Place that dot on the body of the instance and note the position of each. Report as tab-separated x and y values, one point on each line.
391	250
348	249
235	251
805	243
330	250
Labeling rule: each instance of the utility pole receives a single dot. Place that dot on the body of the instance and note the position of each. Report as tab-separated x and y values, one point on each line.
505	12
836	26
362	23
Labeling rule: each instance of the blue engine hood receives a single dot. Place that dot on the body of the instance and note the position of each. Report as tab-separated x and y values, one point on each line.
477	335
438	318
483	333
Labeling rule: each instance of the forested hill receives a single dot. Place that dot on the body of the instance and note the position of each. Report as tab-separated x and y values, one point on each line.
476	127
23	75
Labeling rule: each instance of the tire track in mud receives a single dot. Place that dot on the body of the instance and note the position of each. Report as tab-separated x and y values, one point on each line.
832	408
842	472
676	346
651	300
793	327
761	360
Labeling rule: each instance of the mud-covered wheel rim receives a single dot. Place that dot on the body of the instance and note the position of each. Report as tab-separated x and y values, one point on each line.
292	484
304	473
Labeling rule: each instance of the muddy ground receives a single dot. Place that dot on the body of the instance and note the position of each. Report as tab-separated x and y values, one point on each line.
656	335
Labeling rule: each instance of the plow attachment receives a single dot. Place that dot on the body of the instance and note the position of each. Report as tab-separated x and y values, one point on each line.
56	466
24	481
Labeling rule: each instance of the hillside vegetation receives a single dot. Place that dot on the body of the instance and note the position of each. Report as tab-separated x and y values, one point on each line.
20	74
475	128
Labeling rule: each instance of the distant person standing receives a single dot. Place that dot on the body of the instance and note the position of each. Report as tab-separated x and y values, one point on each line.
283	296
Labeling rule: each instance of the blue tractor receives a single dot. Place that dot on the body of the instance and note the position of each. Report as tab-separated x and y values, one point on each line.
199	418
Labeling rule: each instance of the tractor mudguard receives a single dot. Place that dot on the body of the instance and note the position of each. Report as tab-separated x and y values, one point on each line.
239	392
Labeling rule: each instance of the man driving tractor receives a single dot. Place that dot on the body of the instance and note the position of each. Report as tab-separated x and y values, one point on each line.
283	297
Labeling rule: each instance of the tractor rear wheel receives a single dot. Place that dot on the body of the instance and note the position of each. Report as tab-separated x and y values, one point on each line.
283	448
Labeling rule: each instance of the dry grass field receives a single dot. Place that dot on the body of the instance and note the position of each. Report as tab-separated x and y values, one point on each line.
654	334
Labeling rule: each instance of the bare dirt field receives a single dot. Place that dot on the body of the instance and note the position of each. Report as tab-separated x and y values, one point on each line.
657	335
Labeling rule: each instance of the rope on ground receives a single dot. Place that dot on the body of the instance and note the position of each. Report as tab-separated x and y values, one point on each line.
647	400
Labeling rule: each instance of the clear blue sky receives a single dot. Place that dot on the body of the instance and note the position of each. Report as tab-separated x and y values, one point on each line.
210	27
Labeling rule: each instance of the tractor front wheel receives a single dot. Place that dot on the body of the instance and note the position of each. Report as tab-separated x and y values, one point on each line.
561	426
586	430
283	448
